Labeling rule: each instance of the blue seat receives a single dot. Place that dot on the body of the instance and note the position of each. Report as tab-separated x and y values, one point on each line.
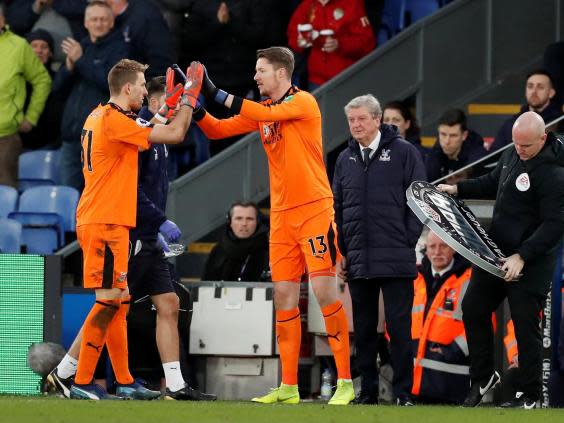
40	240
394	15
392	20
10	236
421	8
46	213
8	200
37	168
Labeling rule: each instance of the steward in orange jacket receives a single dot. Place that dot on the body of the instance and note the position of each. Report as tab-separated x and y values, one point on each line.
441	367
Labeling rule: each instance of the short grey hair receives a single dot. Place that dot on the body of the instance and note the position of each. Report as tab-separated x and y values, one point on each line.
368	101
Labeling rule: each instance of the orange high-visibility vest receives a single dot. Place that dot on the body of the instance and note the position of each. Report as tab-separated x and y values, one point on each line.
510	342
441	326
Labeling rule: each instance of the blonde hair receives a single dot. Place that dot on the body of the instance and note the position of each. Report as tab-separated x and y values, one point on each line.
125	71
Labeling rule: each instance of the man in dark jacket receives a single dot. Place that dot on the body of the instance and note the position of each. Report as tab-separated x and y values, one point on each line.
242	252
456	147
539	93
377	237
149	271
85	74
527	225
144	29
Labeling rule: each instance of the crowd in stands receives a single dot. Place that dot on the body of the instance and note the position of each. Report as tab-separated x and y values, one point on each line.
77	41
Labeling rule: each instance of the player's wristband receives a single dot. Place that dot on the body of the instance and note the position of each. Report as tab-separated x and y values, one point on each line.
220	96
161	119
236	105
198	113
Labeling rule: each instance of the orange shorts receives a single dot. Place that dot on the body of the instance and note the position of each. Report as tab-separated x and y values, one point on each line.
106	251
301	238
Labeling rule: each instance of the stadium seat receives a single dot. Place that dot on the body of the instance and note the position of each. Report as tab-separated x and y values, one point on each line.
37	168
46	213
392	20
8	200
394	15
418	9
10	236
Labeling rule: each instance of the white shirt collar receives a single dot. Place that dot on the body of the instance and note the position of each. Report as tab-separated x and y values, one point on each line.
374	144
442	272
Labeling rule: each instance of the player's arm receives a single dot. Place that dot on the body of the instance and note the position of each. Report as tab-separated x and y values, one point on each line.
175	132
550	194
295	107
223	128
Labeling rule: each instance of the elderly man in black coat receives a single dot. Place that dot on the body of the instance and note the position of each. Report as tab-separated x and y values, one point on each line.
377	238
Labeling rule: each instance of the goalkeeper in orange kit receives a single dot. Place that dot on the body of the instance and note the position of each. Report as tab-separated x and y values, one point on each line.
302	233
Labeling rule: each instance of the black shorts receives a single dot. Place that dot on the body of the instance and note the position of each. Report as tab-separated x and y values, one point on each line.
149	272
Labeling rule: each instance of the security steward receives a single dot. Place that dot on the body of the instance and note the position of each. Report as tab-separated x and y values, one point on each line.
442	366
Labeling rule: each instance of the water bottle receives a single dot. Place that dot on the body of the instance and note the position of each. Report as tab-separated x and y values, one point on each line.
326	385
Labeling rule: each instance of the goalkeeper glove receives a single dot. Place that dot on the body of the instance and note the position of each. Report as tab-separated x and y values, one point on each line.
194	75
211	91
172	95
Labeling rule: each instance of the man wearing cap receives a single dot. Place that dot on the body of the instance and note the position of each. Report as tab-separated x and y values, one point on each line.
47	131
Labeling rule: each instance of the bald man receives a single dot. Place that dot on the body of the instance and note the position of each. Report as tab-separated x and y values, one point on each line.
527	224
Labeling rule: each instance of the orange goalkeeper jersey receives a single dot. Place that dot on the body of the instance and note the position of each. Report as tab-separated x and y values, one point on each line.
290	130
111	139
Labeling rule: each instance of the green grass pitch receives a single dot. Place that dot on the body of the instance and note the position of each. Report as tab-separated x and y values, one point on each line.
51	410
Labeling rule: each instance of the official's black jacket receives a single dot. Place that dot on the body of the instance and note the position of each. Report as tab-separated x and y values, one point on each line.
528	216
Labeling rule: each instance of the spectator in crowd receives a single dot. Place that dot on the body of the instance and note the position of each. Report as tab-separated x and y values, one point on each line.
242	251
84	74
374	10
399	114
47	131
539	92
19	64
442	366
22	14
336	33
456	147
41	14
144	29
73	11
174	13
527	226
227	35
377	237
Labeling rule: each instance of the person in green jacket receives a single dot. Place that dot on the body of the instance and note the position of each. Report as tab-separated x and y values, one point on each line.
18	65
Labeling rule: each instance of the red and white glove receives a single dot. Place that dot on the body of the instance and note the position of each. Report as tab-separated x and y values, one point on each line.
172	95
193	85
